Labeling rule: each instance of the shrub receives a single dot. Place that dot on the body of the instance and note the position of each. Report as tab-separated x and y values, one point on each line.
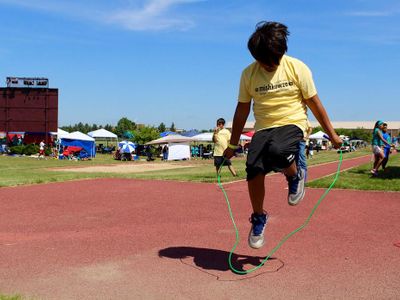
31	149
25	149
17	149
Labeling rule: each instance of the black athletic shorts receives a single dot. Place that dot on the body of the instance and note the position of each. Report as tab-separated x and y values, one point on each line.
273	149
218	160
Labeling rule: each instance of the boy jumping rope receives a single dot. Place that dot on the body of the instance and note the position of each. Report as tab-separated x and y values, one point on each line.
281	87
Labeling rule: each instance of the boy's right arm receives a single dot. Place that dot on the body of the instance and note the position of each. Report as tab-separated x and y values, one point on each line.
239	120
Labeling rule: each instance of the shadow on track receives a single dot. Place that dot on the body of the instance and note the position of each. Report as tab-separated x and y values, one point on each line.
213	259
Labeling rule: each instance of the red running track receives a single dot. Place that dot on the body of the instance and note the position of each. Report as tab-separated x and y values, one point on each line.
136	239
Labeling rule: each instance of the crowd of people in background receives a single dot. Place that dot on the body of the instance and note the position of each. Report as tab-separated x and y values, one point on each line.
382	147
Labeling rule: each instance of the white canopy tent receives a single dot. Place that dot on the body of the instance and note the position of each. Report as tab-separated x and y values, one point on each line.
176	138
178	146
203	137
321	139
60	133
178	151
77	135
320	135
207	137
102	134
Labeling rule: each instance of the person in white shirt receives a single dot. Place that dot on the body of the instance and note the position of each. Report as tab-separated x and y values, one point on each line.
41	149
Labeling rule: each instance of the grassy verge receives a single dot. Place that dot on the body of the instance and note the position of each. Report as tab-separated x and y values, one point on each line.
206	172
330	156
360	178
7	297
27	170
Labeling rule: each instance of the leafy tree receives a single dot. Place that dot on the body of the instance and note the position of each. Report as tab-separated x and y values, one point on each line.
316	129
66	128
109	128
145	134
123	125
360	133
172	128
86	128
80	127
161	127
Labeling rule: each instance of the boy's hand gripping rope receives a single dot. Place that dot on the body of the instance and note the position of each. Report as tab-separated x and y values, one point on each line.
287	236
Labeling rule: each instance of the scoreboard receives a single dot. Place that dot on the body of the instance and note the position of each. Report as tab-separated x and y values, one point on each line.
28	105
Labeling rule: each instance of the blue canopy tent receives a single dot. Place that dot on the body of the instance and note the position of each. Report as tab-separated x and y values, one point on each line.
79	139
166	133
190	133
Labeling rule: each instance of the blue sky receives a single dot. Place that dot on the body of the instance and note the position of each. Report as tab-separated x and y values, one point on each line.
180	60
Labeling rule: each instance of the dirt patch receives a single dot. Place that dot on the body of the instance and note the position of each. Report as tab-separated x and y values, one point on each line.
127	168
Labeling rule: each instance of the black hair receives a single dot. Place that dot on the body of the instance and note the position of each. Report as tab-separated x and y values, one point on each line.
268	43
221	121
378	123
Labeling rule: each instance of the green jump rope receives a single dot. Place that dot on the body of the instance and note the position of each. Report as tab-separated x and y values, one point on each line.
286	237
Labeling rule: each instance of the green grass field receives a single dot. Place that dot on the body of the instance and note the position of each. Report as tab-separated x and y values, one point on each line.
360	178
14	297
26	170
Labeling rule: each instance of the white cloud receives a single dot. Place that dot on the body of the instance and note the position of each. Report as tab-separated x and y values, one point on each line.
151	15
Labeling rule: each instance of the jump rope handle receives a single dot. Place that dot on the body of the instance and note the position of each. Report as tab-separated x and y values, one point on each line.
328	137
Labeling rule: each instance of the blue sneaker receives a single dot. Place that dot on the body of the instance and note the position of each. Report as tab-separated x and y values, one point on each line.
296	187
256	234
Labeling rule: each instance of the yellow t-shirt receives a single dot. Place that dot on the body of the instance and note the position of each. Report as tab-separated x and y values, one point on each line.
223	137
278	96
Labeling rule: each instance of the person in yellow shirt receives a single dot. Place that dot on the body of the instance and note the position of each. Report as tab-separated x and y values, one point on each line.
280	88
221	138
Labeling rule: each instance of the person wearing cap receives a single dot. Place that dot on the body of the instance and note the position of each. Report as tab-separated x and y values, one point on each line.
377	142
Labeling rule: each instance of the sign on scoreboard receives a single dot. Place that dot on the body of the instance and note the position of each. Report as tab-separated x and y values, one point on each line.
27	82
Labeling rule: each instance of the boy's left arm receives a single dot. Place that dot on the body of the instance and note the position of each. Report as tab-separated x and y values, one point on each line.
318	110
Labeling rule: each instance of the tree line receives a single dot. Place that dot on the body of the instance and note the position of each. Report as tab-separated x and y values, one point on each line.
360	133
125	129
